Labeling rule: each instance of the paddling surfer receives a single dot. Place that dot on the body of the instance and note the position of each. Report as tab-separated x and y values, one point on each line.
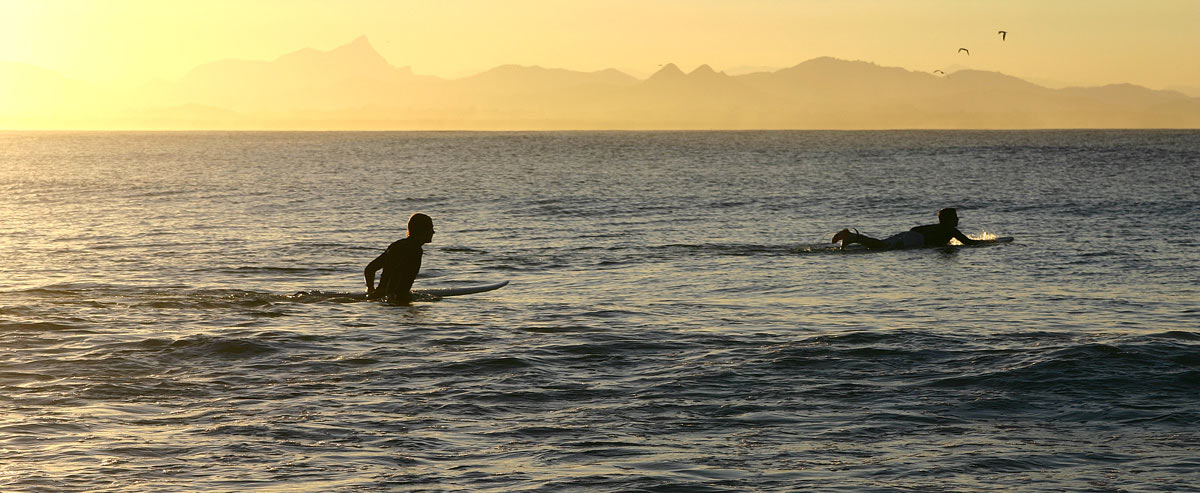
400	263
929	235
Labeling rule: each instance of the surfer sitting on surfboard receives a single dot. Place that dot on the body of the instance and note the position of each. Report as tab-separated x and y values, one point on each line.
929	235
400	263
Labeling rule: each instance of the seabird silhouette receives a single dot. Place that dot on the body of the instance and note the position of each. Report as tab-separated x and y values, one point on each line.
939	72
1003	34
966	50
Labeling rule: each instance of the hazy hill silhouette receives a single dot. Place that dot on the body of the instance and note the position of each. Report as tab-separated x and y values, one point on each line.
354	87
516	79
670	98
308	79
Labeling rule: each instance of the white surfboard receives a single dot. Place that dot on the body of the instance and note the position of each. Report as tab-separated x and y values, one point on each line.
1000	239
442	292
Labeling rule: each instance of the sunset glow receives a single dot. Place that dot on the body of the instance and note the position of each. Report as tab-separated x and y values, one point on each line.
123	45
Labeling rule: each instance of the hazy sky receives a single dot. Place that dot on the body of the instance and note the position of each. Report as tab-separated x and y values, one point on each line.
1091	42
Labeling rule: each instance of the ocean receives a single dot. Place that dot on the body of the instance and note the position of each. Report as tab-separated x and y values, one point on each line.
173	312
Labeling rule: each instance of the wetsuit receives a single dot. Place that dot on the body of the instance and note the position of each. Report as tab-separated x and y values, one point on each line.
929	235
934	235
400	263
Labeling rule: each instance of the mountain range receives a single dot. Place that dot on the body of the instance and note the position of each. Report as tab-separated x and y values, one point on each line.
353	87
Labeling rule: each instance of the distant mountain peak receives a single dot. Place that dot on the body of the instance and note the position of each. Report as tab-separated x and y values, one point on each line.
361	47
359	51
668	70
989	77
703	70
613	72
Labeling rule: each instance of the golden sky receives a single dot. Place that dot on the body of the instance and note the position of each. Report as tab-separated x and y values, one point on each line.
1081	42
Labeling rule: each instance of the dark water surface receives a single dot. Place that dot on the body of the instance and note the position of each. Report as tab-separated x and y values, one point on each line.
676	319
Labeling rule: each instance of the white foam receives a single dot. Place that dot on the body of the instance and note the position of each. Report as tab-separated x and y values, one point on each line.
983	235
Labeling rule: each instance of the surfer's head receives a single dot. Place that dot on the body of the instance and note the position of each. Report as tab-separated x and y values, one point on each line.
420	228
948	217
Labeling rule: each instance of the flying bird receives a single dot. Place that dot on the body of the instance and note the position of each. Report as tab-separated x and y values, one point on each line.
1003	34
966	50
939	72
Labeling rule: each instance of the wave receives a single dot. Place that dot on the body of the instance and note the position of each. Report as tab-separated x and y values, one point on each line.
39	327
735	249
1089	370
1044	365
271	270
463	250
1177	334
209	346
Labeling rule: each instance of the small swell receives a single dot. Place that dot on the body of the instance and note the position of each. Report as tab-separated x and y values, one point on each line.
732	249
37	327
486	365
1094	369
463	250
209	347
274	270
1178	335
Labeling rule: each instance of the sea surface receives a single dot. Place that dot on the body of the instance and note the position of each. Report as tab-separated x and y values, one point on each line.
175	312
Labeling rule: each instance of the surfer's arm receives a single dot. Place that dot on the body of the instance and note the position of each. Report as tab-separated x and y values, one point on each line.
962	238
369	272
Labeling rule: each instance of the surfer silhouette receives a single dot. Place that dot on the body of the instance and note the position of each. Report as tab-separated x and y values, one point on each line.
400	263
929	235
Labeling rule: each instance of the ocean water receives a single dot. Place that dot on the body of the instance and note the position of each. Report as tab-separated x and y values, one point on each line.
173	313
